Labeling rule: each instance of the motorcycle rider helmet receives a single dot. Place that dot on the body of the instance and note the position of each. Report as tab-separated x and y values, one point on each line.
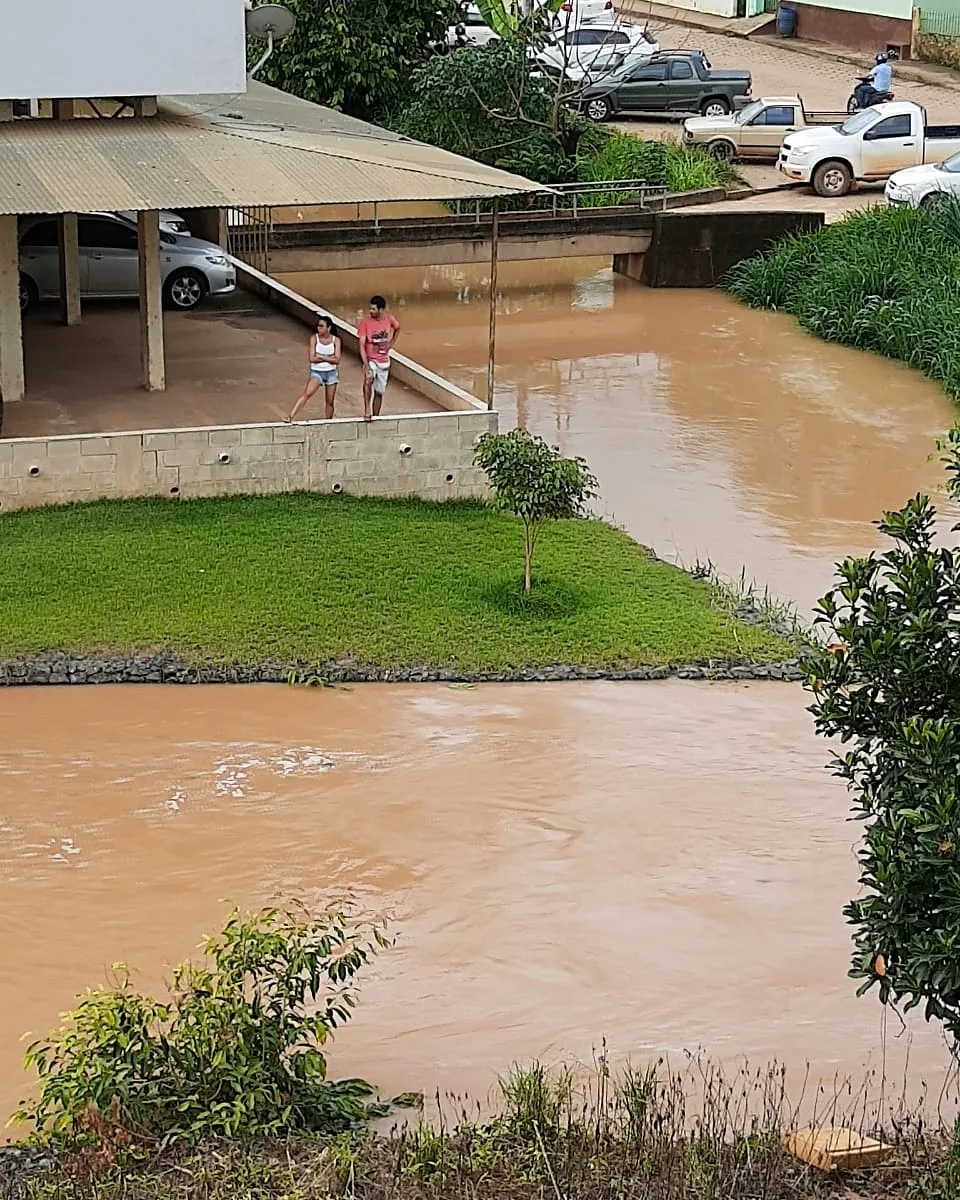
880	58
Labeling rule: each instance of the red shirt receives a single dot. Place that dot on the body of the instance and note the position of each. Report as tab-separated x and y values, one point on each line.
375	334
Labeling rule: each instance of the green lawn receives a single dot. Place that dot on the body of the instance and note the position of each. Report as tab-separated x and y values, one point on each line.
317	578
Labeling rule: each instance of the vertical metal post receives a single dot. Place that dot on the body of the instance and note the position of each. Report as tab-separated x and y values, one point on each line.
494	252
376	215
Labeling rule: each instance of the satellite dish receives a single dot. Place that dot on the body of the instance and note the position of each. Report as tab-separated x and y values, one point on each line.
269	22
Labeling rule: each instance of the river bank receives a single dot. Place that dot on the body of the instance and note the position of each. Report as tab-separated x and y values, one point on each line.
334	588
687	1134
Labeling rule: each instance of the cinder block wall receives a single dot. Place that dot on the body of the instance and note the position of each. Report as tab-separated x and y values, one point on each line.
426	455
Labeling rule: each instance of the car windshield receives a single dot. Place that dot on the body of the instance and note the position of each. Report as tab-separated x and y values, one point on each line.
858	121
952	164
745	115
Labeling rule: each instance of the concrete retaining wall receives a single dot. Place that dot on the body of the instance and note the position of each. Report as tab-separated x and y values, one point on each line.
427	455
697	249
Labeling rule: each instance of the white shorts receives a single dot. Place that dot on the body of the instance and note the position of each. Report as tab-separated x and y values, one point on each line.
378	373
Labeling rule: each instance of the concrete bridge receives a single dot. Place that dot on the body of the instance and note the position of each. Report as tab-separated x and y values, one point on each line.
688	247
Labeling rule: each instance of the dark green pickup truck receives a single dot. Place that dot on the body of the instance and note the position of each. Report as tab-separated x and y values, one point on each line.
673	81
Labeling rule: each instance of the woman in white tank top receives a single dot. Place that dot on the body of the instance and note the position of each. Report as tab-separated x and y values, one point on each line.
324	357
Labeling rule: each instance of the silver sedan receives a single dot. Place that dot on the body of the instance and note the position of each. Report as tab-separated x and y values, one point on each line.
190	268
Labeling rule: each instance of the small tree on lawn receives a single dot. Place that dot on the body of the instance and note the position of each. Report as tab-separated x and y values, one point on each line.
534	482
888	687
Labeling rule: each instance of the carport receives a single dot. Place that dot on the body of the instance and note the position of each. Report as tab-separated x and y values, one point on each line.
204	155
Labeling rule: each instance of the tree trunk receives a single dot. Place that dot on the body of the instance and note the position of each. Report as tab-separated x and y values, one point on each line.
527	558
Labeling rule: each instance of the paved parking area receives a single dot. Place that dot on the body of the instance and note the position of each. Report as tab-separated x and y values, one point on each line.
231	361
824	84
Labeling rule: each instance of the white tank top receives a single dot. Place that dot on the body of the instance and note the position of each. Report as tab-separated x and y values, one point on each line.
325	351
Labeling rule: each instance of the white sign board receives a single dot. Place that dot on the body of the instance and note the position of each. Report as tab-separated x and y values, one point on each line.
98	48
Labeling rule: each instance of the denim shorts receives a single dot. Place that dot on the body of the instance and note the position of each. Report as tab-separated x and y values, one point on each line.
328	375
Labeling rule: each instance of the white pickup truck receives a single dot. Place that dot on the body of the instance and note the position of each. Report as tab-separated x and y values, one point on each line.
869	146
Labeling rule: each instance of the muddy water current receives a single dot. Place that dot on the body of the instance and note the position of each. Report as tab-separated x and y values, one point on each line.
716	432
662	865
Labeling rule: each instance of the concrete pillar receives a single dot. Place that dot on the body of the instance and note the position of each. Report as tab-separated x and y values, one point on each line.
69	260
151	302
209	224
11	330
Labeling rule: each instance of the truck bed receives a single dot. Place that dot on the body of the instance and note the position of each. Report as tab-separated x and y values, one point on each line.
824	118
942	133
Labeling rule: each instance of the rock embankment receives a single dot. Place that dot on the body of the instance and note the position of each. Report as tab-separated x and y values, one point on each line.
41	669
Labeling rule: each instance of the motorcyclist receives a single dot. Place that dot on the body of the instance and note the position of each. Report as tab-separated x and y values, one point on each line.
871	87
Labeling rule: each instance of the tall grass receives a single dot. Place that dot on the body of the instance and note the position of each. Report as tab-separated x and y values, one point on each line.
696	1134
661	164
887	279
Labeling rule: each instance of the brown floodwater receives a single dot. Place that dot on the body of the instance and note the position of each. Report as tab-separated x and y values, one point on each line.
717	433
660	865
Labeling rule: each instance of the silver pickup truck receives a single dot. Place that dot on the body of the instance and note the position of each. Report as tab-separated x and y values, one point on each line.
757	130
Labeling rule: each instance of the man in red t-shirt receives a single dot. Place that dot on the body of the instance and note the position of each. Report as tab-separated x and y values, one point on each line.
378	333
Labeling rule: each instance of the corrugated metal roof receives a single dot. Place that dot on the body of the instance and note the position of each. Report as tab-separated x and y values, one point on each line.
275	151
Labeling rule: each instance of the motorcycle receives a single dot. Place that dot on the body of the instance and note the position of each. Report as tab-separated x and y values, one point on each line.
853	104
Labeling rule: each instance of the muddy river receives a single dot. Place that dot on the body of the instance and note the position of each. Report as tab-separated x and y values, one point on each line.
716	432
663	866
660	865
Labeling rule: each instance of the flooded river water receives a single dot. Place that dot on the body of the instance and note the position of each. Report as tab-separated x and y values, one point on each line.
662	865
716	432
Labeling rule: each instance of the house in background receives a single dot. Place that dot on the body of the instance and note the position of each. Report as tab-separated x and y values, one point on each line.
867	25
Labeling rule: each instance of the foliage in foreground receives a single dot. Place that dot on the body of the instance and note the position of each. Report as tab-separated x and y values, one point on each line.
316	579
356	55
886	279
234	1052
889	688
534	482
697	1135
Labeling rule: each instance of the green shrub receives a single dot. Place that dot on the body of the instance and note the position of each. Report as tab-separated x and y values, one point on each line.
234	1052
661	164
886	279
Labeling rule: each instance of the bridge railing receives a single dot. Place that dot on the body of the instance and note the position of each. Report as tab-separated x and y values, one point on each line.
571	197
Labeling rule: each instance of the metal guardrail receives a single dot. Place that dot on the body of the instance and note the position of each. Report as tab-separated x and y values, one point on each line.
251	229
569	197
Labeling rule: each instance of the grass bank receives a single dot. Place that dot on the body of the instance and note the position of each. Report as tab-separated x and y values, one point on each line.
316	579
887	280
614	1135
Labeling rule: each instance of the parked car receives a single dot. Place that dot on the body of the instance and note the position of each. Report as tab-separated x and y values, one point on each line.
170	222
190	268
924	186
871	145
587	49
470	30
679	81
757	130
582	12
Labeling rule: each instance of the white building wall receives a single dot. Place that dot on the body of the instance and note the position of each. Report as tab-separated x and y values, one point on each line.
101	48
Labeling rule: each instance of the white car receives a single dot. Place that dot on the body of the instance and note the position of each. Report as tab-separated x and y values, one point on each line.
170	222
470	30
921	187
595	49
583	12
